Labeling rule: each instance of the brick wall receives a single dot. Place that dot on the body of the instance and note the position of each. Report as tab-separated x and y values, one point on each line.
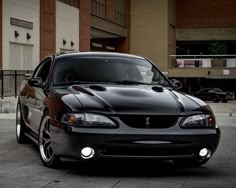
84	26
194	14
110	10
47	27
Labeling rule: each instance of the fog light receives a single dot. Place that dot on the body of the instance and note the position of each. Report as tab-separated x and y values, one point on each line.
205	153
87	153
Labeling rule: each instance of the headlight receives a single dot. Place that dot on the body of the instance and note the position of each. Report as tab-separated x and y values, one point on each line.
199	121
88	120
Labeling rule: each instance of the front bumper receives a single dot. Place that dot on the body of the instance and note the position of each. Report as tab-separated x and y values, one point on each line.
171	143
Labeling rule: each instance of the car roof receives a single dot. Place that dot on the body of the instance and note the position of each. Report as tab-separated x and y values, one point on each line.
96	54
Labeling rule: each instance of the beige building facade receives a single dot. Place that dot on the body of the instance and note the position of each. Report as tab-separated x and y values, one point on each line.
152	31
156	29
177	36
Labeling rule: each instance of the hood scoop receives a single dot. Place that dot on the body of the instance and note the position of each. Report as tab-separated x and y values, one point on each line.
82	90
157	89
97	88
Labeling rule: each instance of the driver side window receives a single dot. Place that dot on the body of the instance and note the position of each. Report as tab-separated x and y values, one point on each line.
43	70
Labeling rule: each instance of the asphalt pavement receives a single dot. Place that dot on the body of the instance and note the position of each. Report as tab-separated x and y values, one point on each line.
20	165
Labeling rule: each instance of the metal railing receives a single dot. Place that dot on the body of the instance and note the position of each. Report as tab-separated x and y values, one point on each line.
202	61
10	81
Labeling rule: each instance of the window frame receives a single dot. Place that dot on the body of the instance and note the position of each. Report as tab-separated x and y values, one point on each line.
41	66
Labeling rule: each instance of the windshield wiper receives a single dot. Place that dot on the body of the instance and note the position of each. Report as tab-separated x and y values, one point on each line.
130	82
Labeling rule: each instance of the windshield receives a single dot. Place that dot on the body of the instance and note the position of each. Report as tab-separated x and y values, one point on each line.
104	69
218	90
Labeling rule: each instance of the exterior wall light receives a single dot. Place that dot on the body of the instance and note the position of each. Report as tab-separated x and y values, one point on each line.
28	36
16	34
64	42
71	43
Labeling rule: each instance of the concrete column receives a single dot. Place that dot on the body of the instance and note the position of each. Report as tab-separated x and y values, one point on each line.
47	27
171	30
110	10
152	31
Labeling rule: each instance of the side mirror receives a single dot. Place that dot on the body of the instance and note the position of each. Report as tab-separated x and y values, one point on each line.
36	82
176	83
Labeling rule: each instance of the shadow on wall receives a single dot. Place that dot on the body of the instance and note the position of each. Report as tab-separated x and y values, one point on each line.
7	106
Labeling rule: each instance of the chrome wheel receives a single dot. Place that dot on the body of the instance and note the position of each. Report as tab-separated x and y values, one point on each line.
45	147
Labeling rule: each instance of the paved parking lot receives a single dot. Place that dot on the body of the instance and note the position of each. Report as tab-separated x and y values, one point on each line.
20	166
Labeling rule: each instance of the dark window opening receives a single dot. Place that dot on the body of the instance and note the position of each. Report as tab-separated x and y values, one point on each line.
74	3
98	8
120	12
205	47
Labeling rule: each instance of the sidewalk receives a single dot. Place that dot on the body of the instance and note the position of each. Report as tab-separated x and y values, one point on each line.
224	109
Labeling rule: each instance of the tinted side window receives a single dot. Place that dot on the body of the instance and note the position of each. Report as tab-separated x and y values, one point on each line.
43	70
205	91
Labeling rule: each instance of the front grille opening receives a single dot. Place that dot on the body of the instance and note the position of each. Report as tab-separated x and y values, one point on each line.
145	121
145	152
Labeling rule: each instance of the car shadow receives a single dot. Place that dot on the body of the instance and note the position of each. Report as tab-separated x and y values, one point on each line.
135	168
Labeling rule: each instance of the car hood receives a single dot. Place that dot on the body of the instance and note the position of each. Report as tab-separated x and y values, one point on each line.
132	99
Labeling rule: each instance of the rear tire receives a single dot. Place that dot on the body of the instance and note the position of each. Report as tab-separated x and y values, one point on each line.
49	159
20	126
216	99
224	100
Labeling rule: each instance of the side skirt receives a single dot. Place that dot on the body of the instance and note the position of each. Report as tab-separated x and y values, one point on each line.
31	138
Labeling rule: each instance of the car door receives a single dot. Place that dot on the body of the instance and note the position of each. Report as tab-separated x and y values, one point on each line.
211	94
203	94
36	100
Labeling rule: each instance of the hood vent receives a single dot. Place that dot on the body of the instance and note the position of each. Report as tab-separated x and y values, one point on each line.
157	89
82	90
97	88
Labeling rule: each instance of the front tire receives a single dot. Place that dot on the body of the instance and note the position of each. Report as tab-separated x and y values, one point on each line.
20	126
49	159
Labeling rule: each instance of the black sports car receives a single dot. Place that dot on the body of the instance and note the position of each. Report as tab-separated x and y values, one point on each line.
212	94
92	105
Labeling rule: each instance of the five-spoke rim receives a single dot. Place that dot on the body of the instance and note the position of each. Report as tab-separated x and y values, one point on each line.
45	140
